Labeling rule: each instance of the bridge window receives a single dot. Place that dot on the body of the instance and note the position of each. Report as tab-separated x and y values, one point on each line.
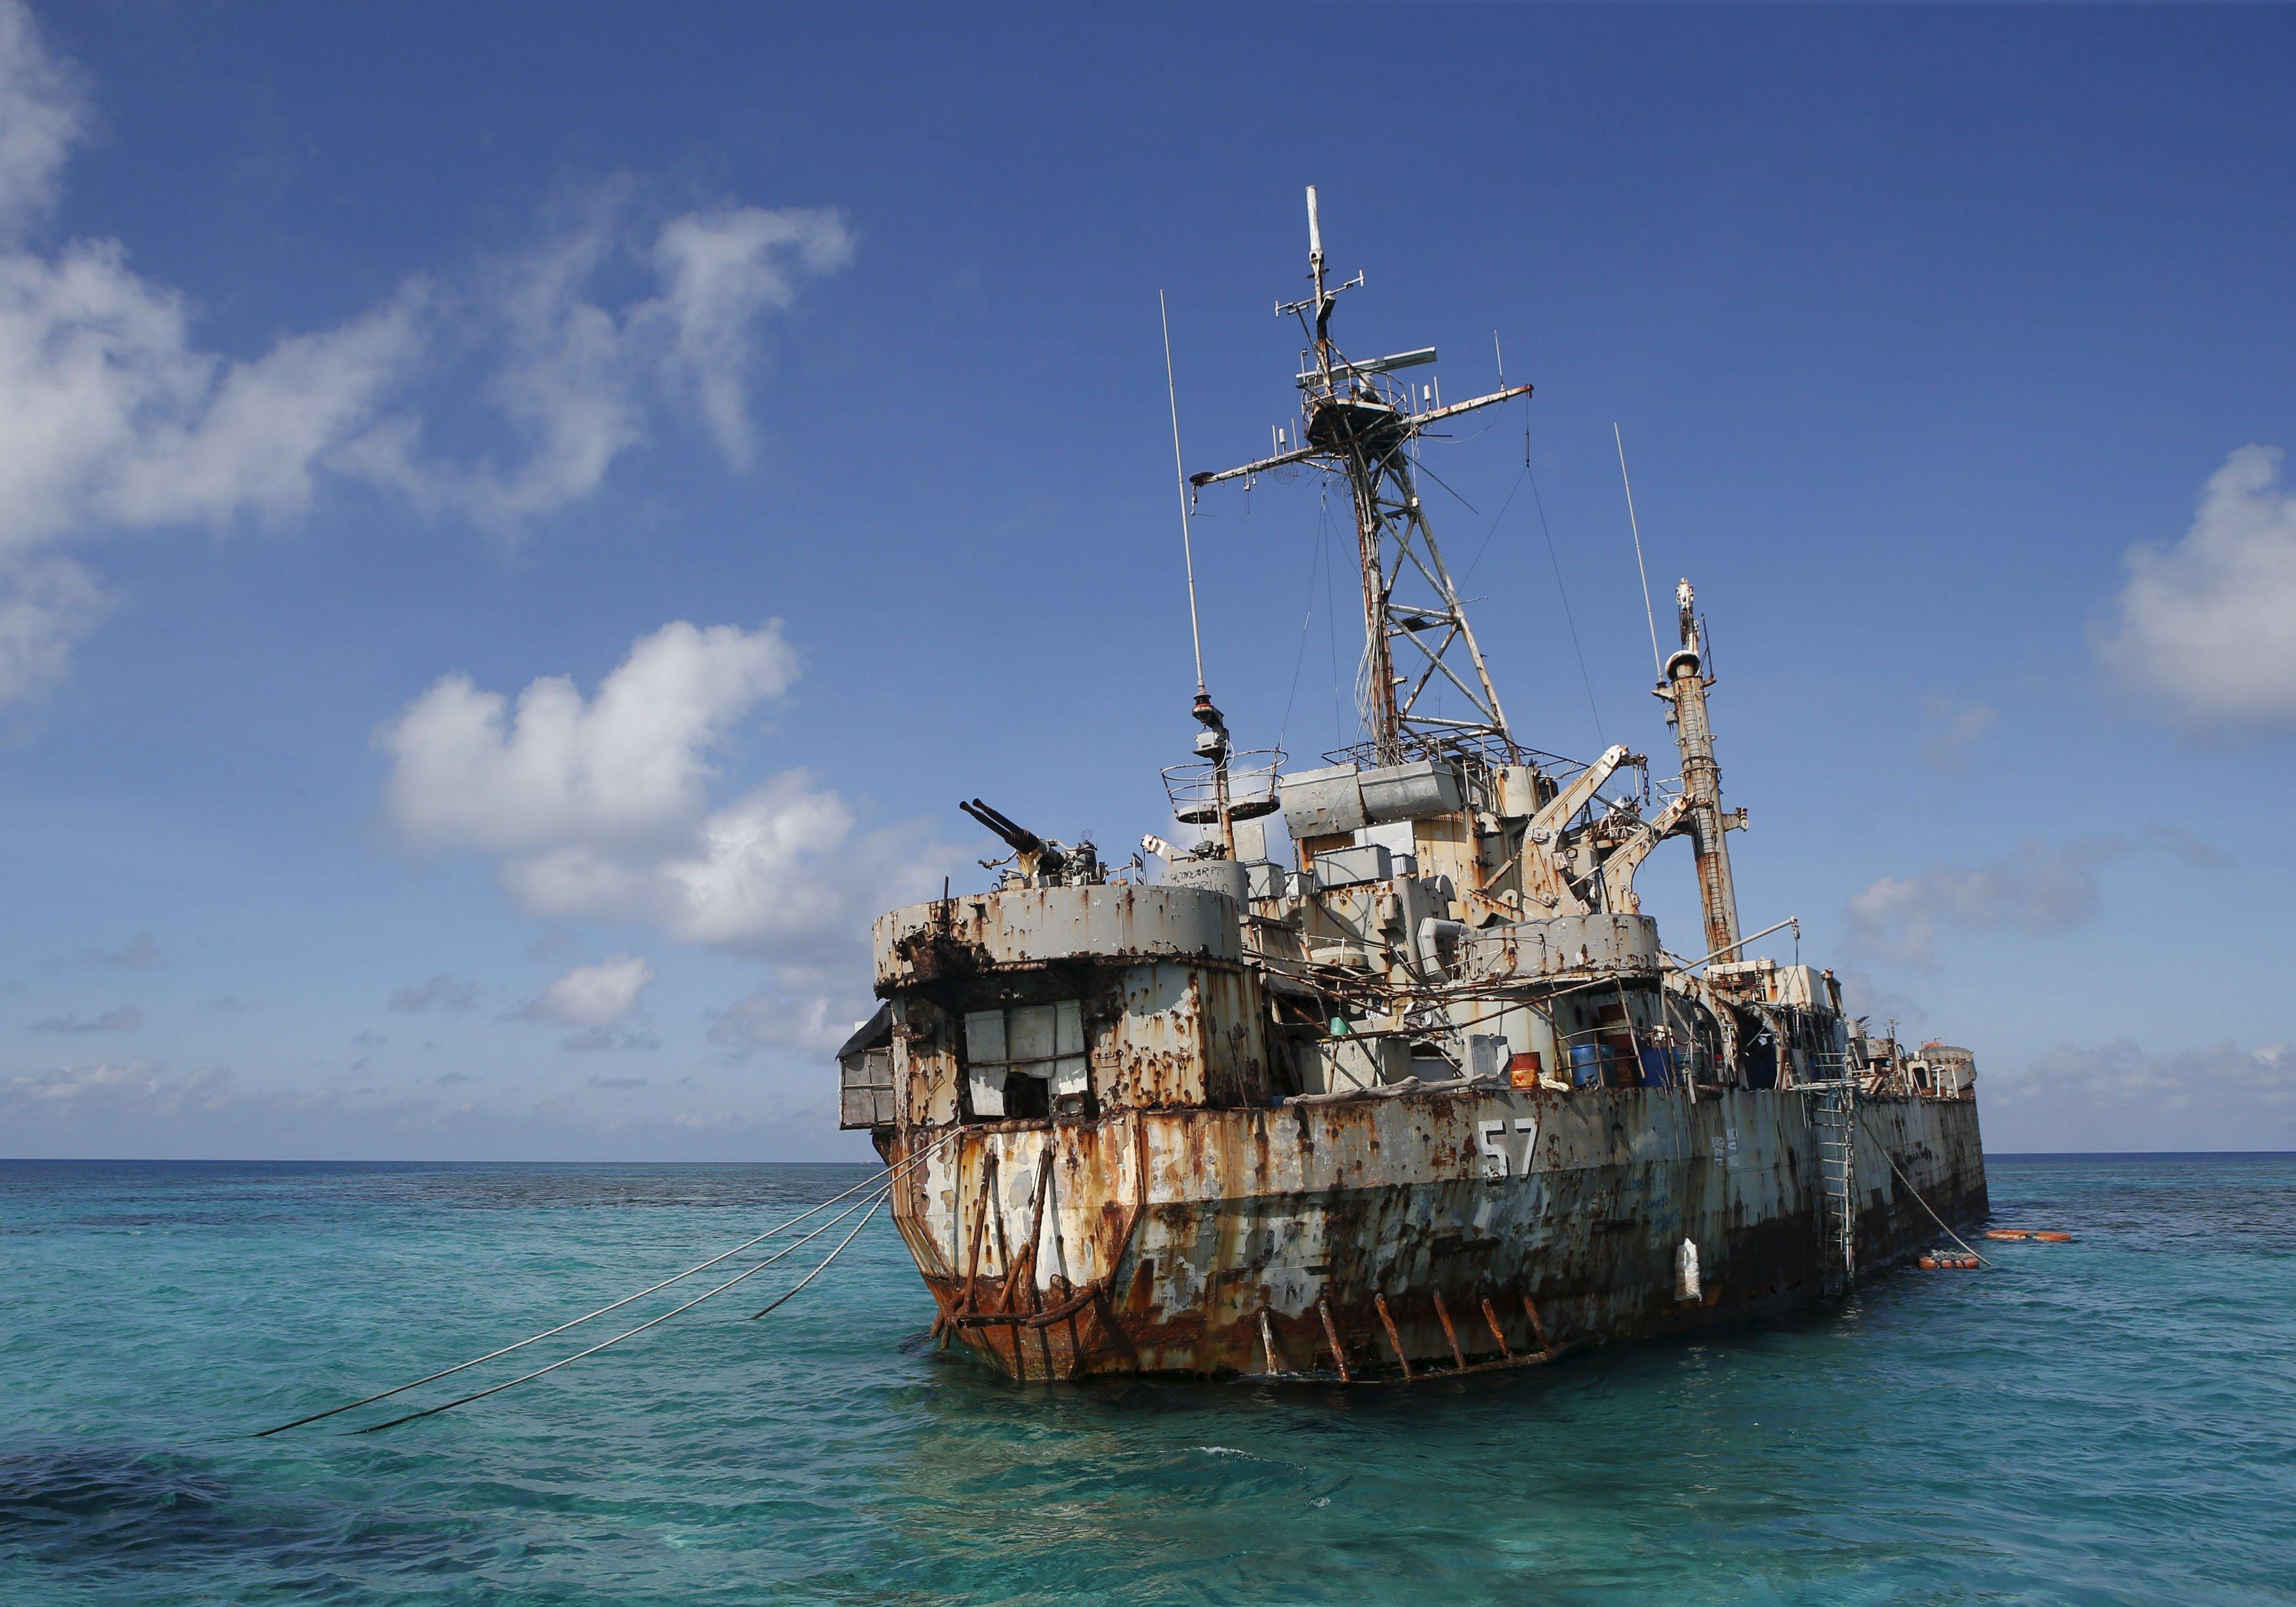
1021	1058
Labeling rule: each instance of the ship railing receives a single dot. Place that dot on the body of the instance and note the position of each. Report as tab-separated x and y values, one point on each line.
1349	380
1833	1071
1487	747
1250	783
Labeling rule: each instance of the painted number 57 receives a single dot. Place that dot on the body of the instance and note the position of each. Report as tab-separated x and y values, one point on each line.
1491	1139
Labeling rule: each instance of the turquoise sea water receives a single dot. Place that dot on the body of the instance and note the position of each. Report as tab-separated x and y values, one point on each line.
2109	1420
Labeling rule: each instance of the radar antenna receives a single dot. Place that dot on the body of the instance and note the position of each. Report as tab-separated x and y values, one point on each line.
1359	423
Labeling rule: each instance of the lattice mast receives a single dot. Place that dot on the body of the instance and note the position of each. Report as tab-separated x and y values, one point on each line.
1360	424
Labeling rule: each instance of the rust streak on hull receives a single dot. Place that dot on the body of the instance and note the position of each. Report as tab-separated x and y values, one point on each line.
1249	1235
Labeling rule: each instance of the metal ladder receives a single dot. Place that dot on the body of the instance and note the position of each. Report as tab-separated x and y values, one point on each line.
1833	1120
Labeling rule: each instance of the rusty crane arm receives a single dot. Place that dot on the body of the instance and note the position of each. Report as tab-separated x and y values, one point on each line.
1619	869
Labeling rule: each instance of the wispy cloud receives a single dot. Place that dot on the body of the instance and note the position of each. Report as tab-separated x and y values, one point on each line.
2219	1097
771	1020
114	415
126	1017
139	953
2037	889
1953	730
2040	887
442	992
141	1107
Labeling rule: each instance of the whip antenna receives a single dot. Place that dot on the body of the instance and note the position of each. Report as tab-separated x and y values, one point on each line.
1180	474
1636	526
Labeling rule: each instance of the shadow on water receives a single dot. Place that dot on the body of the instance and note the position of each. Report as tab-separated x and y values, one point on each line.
99	1513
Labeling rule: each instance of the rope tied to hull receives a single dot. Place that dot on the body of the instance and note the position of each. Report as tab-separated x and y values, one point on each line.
874	1192
1916	1193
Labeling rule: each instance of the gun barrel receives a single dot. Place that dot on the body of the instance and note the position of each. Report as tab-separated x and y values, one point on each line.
1017	837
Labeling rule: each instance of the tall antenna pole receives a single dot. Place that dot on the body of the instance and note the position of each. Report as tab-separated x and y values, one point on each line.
1322	298
1635	525
1358	425
1180	473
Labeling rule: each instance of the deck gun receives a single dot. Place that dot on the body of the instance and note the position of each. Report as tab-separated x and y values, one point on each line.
1033	856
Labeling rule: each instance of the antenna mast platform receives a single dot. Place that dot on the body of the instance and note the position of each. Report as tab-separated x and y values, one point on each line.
1359	423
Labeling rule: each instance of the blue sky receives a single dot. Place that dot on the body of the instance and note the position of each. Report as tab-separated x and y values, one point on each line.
517	526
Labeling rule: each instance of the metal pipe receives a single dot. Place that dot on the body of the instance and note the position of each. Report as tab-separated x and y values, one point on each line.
1792	921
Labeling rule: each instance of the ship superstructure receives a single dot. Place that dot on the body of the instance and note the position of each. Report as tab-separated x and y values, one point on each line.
1425	1093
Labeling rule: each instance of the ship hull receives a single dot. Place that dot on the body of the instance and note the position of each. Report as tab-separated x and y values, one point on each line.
1384	1237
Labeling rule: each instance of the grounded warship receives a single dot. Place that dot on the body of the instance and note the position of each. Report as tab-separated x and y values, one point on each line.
1432	1097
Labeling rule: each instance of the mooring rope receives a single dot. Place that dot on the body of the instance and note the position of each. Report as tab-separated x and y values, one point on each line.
882	1180
1916	1193
463	1400
789	1293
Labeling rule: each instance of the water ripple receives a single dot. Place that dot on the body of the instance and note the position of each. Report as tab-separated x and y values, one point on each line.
2108	1420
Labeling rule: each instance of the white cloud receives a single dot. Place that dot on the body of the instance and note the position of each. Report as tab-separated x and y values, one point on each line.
2119	1096
2037	889
467	772
767	869
264	429
112	414
594	996
2208	625
780	874
601	808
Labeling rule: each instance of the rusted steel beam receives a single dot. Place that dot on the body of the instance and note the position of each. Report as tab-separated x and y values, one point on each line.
1491	1316
1027	1259
1443	1311
1331	1333
1028	1264
1393	1339
1048	1317
1067	1309
1537	1327
946	1322
1268	1342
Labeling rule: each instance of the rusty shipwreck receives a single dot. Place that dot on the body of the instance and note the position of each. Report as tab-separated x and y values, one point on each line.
1426	1093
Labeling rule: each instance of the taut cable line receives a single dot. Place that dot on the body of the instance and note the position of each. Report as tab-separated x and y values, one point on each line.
1635	525
790	1293
871	1201
870	1184
1180	474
